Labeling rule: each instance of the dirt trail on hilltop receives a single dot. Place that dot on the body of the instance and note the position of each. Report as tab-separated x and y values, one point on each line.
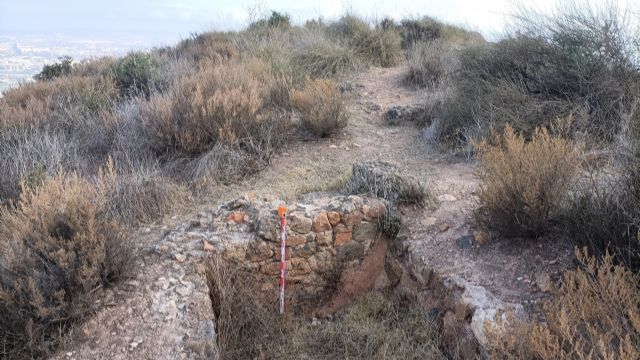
163	312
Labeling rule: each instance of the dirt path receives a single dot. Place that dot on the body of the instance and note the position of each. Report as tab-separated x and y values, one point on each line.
164	311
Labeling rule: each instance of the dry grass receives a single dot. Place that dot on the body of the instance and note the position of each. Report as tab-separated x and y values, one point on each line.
595	315
523	183
58	248
320	107
138	198
375	326
55	101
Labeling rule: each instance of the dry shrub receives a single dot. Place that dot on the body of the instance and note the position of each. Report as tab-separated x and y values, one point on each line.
428	63
34	104
226	105
207	47
58	249
523	183
594	315
320	107
375	326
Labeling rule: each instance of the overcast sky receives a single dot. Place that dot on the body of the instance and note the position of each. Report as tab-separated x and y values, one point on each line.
168	20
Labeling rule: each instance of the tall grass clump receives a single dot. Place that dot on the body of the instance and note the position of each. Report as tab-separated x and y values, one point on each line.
59	247
523	183
320	107
578	60
595	314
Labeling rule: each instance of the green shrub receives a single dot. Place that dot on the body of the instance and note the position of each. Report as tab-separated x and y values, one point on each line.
278	19
134	74
55	70
523	183
59	248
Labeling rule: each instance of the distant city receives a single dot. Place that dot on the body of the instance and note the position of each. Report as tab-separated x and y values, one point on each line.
22	56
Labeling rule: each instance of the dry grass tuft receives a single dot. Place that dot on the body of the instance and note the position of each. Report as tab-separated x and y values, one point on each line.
58	248
595	315
375	326
321	108
523	183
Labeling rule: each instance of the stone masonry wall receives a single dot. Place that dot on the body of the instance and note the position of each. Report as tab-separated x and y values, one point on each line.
325	235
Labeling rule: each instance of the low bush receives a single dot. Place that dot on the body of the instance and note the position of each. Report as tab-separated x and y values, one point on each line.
594	315
320	107
325	59
209	47
375	326
378	46
524	183
384	180
419	31
58	248
428	63
578	61
55	70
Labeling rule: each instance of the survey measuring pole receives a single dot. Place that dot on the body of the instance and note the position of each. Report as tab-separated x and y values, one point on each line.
282	214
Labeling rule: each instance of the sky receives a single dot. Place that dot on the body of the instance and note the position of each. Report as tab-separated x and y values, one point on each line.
169	20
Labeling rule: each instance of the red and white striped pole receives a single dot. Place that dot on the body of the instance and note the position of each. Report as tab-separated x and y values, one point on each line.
282	213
